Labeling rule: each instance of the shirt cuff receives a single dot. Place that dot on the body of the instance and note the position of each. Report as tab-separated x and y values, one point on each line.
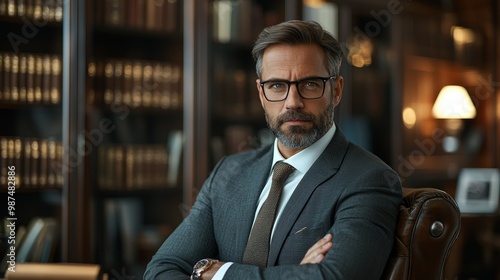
222	271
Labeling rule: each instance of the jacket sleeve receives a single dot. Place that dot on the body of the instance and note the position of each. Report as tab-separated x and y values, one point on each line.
191	241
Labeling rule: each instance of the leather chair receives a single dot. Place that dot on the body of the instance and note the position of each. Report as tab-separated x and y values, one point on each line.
428	225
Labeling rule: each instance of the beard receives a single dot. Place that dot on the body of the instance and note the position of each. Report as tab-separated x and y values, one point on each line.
298	137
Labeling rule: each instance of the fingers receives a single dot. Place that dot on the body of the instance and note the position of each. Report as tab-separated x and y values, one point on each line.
317	252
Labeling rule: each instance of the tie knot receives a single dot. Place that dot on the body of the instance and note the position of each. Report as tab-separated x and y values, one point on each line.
281	171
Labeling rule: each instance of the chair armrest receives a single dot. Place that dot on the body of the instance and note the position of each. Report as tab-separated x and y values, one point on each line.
428	225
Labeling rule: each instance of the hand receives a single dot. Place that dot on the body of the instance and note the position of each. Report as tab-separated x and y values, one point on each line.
317	252
210	273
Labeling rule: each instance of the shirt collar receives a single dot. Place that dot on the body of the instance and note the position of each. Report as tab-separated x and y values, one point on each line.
304	159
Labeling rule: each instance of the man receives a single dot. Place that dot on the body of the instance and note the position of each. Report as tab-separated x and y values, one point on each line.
336	190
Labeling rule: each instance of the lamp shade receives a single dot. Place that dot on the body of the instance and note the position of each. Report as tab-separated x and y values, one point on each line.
453	102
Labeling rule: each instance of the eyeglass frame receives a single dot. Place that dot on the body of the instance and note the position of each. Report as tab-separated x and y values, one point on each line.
296	82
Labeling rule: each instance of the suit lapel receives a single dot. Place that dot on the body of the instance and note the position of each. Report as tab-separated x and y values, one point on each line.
254	177
323	168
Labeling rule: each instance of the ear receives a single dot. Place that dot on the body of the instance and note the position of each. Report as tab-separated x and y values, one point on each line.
337	91
261	93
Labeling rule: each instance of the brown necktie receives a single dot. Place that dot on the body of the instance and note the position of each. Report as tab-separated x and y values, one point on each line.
257	249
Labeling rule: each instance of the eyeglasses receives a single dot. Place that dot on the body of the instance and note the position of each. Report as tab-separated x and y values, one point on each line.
308	88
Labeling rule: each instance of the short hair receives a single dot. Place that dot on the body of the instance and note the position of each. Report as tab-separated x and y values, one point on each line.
296	32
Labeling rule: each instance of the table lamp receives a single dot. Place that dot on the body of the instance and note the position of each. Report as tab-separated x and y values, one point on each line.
453	104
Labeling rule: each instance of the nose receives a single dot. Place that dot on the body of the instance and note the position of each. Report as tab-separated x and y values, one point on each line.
293	100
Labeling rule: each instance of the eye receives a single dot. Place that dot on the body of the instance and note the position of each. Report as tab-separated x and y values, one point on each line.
276	86
311	84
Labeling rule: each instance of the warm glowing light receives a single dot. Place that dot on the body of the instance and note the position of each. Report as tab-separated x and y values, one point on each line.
453	102
462	35
360	53
409	117
314	3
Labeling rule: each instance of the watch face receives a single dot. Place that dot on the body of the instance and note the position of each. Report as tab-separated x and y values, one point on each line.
201	264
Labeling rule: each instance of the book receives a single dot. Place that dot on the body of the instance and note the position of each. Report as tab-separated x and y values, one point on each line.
127	83
137	75
38	78
23	66
6	77
109	82
56	79
17	160
1	72
42	180
51	160
118	83
3	160
170	15
11	7
46	77
14	87
35	163
30	79
148	85
46	243
37	9
26	163
3	7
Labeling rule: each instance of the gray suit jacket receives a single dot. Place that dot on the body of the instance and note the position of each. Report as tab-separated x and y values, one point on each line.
348	192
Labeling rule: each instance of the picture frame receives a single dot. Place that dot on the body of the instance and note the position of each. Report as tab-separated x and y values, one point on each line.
478	190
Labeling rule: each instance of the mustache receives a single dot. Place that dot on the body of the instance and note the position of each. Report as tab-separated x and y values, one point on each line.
294	115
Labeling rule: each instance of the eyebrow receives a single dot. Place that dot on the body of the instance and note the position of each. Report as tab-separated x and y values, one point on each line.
303	78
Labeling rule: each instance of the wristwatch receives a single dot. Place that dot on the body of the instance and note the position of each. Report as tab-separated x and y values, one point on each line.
201	266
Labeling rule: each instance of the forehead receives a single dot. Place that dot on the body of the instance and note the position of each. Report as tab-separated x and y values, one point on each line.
294	60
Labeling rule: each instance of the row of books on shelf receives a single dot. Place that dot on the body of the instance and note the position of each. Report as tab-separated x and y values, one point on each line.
240	21
127	240
37	162
135	83
236	95
39	10
139	167
35	242
28	78
157	15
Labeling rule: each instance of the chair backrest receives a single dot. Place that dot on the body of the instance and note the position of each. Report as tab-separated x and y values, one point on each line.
428	225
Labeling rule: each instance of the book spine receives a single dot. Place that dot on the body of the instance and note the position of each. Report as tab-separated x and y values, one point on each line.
46	75
14	94
30	79
127	83
17	159
1	74
26	162
118	83
147	85
38	78
91	72
56	80
170	17
52	157
23	67
7	77
108	90
137	88
43	163
35	158
3	160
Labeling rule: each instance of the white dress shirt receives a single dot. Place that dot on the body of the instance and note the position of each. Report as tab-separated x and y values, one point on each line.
301	161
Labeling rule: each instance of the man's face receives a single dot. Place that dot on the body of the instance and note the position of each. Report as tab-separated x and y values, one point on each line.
298	122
